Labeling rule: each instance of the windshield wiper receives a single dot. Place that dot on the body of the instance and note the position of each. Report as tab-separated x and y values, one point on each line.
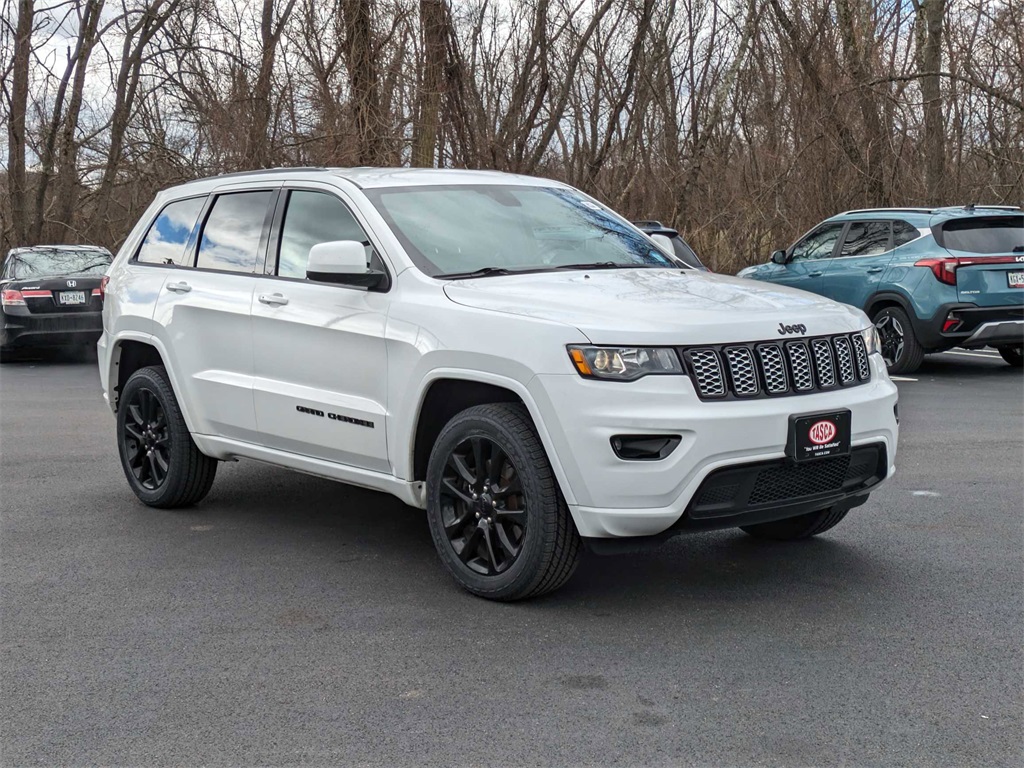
482	272
608	265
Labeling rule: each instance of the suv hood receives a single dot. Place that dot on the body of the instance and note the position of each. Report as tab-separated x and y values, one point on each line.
659	306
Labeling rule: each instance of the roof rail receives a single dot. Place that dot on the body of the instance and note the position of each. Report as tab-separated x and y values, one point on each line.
258	172
889	210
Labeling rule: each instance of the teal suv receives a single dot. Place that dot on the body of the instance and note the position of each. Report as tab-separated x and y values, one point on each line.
929	278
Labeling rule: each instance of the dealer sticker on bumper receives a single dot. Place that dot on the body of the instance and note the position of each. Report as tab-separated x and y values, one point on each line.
816	436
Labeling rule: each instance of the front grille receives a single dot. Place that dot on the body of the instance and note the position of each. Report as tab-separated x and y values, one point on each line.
772	369
791	481
781	482
707	372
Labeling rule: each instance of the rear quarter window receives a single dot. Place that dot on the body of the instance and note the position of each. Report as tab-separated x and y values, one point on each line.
995	234
167	237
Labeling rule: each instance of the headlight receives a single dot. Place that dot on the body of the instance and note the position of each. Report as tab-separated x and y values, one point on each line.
624	363
871	340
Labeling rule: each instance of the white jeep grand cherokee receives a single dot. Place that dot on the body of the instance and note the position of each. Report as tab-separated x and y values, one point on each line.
503	351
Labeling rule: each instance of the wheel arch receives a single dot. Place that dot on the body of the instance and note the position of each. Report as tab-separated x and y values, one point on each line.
132	351
884	299
445	393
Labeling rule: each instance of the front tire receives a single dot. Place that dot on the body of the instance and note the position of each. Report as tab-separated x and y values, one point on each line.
1013	355
795	528
163	466
497	517
901	350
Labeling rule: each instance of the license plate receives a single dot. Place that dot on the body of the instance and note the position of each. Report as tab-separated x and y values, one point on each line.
816	436
1015	279
71	297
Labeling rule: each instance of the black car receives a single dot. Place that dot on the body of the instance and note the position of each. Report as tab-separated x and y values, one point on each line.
680	247
52	296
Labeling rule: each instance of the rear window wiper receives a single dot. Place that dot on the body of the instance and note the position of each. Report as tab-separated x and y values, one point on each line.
482	272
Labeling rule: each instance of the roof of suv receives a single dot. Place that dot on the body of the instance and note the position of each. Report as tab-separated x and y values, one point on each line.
926	215
367	177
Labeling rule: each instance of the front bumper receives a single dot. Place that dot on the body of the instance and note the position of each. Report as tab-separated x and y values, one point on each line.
50	330
614	497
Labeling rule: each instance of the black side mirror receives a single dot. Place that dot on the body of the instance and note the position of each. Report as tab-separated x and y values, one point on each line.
370	279
779	257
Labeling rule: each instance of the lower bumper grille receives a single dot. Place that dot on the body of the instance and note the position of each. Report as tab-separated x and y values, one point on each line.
780	482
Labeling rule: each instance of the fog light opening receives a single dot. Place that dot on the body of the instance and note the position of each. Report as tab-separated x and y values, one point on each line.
644	447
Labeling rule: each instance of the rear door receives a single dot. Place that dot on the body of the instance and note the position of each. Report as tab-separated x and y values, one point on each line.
204	310
319	348
860	262
990	250
808	259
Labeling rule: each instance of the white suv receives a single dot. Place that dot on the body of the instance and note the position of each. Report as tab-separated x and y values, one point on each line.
503	351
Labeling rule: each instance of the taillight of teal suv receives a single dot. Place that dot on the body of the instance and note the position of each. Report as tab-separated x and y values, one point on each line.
930	278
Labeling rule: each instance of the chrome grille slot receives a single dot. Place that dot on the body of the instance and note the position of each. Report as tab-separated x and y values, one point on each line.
823	364
860	351
773	368
845	358
707	372
741	371
800	366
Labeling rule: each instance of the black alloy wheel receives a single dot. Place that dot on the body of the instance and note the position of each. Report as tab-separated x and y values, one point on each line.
161	461
497	517
891	334
147	439
483	506
901	350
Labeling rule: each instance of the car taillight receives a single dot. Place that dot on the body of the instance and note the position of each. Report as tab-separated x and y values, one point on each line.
12	298
102	290
943	269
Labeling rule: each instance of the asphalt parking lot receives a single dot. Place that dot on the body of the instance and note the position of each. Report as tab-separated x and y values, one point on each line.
290	620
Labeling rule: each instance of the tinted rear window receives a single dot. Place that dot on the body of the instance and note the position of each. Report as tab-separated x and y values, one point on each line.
231	237
166	239
58	262
998	234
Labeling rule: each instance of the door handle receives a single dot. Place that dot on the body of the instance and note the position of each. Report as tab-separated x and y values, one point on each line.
815	274
875	270
273	299
181	287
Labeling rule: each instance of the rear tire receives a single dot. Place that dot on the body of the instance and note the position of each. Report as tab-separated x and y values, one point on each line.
901	350
1013	355
497	517
794	528
163	466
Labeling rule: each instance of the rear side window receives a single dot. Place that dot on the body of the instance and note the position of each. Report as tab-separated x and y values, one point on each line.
866	238
311	218
996	234
819	244
903	233
233	232
165	242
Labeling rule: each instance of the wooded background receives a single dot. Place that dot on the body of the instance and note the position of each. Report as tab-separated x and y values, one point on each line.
741	122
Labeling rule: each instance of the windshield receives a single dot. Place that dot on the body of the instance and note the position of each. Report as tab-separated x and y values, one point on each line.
48	263
997	234
457	230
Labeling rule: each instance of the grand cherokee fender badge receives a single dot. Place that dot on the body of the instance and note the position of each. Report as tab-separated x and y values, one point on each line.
784	329
334	416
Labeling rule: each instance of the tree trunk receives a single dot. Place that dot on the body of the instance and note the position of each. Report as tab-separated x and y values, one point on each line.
433	22
16	181
930	16
66	188
364	82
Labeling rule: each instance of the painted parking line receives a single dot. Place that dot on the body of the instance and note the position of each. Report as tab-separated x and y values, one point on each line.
902	378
